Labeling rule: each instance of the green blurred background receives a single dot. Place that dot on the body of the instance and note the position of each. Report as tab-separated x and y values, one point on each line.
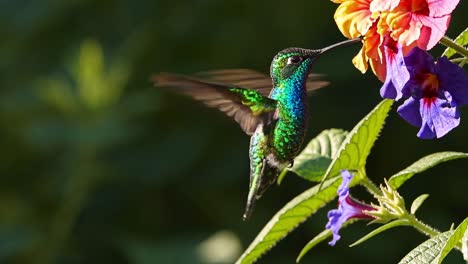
99	167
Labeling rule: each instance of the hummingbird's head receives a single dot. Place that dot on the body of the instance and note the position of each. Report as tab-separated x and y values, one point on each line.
292	62
296	62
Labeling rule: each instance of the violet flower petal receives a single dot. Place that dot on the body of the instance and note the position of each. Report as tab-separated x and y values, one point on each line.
397	74
437	90
409	111
347	208
335	221
439	117
343	190
418	61
453	78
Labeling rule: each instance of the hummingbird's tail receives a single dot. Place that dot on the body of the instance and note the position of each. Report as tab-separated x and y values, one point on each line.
262	177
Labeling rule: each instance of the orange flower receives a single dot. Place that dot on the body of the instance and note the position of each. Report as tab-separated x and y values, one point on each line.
421	21
407	22
383	5
353	17
371	53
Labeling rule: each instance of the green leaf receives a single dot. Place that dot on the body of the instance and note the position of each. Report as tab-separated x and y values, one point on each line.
428	251
418	202
462	40
319	238
465	245
400	222
312	163
452	242
313	242
435	249
289	217
423	164
354	151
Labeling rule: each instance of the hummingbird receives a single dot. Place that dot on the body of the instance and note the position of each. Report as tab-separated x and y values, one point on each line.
273	109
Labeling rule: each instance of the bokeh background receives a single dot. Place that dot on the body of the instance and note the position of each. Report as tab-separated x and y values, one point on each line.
99	167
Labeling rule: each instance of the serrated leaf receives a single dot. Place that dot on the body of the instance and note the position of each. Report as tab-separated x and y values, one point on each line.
428	251
418	202
452	241
400	222
423	164
435	249
462	40
313	161
289	217
354	151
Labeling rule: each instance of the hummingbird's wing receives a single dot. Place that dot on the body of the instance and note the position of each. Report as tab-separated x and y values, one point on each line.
255	80
248	107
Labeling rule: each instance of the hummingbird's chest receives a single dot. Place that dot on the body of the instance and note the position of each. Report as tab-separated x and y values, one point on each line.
288	134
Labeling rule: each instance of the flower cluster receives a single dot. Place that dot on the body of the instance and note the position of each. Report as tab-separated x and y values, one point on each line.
390	28
395	35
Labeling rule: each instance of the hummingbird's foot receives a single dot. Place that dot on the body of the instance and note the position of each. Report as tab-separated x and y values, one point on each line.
291	164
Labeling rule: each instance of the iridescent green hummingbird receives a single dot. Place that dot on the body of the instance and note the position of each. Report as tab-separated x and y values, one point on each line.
273	110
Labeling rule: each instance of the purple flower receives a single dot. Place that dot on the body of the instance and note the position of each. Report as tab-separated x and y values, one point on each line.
347	208
396	73
434	92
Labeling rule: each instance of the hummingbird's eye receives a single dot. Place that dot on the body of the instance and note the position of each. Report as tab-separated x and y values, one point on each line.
294	60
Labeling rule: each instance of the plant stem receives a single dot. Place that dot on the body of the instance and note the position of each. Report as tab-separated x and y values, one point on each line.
426	229
370	186
457	60
463	62
422	227
446	41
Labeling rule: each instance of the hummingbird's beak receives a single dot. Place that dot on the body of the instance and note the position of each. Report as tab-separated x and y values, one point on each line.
317	53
